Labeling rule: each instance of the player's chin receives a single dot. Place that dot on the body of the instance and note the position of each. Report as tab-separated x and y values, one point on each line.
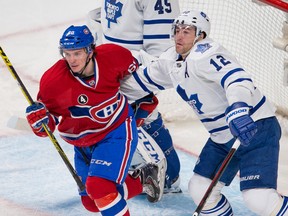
75	69
179	49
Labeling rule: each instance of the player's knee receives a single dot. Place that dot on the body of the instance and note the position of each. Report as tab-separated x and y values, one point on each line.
262	201
89	204
101	190
216	204
198	186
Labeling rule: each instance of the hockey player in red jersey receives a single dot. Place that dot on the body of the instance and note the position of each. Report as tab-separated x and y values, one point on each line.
80	94
148	30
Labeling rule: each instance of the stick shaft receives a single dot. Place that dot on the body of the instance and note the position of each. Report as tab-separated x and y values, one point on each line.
46	128
217	176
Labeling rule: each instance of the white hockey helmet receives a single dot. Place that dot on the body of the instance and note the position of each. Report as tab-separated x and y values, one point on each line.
194	18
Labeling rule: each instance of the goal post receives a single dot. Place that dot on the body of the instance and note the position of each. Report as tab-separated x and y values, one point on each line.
247	30
279	4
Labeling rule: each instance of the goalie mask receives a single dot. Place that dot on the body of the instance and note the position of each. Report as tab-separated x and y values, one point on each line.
196	19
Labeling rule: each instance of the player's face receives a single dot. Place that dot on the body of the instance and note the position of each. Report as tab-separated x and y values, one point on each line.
76	59
184	38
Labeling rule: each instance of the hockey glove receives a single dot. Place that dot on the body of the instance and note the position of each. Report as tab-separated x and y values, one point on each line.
37	114
144	107
240	123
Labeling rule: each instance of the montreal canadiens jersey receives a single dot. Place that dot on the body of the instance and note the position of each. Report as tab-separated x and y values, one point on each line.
88	110
139	24
209	80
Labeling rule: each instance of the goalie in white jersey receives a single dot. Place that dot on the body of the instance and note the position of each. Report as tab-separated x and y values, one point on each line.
223	96
142	25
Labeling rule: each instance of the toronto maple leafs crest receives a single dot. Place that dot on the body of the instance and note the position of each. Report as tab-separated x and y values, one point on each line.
202	47
192	100
113	11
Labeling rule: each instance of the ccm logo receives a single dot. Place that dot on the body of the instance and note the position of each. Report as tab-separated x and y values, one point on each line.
100	162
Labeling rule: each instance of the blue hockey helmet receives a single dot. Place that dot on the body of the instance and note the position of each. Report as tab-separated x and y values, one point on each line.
76	37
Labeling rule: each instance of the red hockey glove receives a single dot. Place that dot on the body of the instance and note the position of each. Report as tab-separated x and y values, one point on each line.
36	115
144	107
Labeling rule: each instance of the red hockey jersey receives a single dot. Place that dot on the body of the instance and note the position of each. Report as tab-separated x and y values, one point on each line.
87	111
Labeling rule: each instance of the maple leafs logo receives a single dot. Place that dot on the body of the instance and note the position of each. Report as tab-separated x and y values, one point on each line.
193	100
203	47
195	103
113	11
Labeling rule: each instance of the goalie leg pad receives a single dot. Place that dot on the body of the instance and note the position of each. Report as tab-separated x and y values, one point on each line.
162	137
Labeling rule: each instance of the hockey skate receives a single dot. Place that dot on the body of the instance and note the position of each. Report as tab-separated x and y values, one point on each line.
173	187
152	178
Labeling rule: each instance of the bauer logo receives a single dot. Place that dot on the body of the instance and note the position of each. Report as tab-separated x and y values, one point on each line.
250	178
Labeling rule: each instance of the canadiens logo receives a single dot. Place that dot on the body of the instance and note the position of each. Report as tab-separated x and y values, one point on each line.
101	113
82	99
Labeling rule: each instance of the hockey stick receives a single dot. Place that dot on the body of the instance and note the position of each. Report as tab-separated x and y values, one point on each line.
46	128
217	176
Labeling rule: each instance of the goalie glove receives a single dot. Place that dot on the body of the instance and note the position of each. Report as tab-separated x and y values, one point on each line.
144	107
36	115
240	123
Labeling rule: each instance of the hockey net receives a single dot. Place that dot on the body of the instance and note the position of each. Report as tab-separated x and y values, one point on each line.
248	30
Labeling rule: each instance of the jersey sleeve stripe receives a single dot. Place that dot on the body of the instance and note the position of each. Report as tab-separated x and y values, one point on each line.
229	74
240	80
160	36
123	41
255	108
159	21
151	81
138	80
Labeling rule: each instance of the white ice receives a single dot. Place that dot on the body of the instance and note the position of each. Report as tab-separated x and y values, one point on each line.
34	180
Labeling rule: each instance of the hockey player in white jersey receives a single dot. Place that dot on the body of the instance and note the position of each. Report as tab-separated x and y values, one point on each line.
142	25
230	106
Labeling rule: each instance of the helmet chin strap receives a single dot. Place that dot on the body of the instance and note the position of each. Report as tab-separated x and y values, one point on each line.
87	62
80	73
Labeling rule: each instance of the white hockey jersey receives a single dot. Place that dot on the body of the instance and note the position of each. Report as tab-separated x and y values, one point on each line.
209	80
139	24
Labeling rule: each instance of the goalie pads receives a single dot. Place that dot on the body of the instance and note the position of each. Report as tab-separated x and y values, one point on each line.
148	151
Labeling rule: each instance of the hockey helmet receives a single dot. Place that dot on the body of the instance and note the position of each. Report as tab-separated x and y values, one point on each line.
198	19
76	37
